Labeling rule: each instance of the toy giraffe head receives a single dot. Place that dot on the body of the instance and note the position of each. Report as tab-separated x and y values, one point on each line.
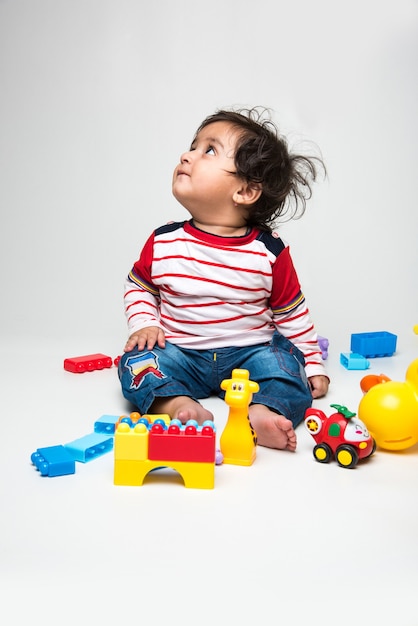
239	389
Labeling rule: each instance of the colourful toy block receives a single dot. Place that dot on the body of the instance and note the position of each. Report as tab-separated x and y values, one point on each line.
131	453
373	345
53	461
106	424
195	475
182	444
87	363
148	420
353	361
131	443
89	447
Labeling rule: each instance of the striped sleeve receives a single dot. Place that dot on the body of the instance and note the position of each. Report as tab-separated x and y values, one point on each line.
291	315
141	296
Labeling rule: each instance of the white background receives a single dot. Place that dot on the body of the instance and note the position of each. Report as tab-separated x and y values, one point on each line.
98	98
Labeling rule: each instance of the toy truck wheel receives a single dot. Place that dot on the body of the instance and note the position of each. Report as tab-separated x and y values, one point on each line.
322	453
346	456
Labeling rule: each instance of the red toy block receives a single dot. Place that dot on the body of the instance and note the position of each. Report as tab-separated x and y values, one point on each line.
88	363
182	444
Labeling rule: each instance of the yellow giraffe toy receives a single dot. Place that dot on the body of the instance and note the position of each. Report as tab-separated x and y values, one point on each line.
238	440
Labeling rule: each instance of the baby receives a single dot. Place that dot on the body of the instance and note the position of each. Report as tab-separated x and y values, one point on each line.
219	291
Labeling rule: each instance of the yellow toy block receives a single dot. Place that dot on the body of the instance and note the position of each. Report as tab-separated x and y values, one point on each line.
195	475
131	443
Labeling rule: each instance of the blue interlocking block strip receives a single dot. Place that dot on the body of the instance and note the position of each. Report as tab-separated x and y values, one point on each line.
106	424
53	461
89	447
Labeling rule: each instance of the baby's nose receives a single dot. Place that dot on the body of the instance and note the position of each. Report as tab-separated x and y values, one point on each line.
186	157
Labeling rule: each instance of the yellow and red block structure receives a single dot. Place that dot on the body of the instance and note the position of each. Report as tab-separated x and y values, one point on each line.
188	449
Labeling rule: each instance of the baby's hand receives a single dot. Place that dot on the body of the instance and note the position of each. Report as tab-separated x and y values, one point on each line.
146	338
319	386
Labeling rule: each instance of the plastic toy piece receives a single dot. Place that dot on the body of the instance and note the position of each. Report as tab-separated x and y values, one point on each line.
180	444
106	424
341	435
238	440
219	457
369	381
324	345
53	461
390	411
374	345
88	363
148	420
89	447
415	329
353	361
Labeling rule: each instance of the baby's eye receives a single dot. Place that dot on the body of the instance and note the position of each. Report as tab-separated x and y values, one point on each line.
210	150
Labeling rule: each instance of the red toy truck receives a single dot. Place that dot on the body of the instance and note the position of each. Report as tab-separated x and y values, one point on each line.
341	435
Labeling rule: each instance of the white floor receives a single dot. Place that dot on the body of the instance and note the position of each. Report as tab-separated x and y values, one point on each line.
287	540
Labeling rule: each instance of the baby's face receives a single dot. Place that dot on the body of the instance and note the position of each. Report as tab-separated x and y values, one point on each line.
205	177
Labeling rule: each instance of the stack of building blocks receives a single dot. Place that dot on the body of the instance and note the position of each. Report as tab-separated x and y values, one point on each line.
188	449
60	460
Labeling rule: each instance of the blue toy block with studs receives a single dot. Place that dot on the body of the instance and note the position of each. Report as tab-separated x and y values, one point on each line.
89	447
53	461
106	424
353	361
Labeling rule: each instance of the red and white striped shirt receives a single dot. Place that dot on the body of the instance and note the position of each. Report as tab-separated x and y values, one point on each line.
208	292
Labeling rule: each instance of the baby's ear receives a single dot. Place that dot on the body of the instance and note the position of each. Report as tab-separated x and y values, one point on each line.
248	193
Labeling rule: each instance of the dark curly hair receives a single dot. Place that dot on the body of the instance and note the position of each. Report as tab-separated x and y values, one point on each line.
262	156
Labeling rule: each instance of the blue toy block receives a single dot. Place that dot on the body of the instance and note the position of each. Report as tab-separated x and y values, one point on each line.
106	424
354	361
373	345
53	461
89	447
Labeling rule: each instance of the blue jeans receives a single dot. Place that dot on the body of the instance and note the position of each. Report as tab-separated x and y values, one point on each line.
277	366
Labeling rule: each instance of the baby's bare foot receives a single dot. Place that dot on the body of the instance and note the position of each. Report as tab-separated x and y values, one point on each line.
272	430
182	408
